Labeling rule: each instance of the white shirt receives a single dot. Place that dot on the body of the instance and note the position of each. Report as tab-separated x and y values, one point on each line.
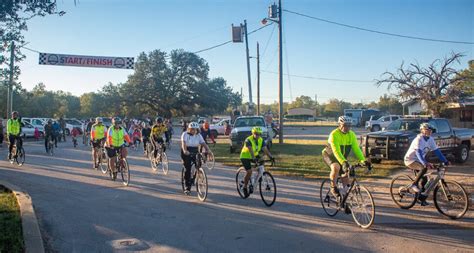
192	140
419	143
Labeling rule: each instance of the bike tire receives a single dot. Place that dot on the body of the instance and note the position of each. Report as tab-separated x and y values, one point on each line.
210	160
444	192
362	206
201	184
164	163
20	159
51	149
268	189
239	181
153	162
183	183
400	192
103	164
125	172
329	202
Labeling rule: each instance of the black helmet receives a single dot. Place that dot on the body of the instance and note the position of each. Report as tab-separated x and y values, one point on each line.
116	120
159	120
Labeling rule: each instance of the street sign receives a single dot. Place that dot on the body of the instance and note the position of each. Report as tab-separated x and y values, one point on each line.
86	61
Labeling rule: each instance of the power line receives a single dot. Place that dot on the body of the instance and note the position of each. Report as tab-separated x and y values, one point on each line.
379	32
323	78
227	42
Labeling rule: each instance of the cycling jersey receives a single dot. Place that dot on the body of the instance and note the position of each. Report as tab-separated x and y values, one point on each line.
97	132
255	144
13	127
419	147
157	131
340	145
117	137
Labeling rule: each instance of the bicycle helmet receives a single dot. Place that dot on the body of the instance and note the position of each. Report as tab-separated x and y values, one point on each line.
344	120
257	130
426	125
116	120
98	120
193	125
159	120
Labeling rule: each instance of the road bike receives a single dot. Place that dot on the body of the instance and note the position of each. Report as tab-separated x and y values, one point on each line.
266	182
121	166
18	153
101	159
198	176
74	142
449	197
160	160
51	145
208	159
354	199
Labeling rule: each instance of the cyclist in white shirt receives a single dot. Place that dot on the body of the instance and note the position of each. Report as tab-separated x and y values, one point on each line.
415	157
190	142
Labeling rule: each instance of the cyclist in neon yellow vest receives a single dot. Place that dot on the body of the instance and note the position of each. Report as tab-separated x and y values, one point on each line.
13	132
116	138
97	138
251	151
340	143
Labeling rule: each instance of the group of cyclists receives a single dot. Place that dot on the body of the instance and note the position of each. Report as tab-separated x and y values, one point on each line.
341	142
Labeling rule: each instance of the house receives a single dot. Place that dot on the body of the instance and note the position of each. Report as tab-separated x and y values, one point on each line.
301	113
462	113
414	107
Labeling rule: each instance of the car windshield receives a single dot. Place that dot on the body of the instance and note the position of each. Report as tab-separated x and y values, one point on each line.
249	122
412	125
72	122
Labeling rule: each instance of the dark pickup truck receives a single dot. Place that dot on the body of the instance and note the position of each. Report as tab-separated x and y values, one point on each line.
393	142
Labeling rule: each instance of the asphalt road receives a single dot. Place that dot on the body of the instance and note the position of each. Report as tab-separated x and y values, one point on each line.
82	210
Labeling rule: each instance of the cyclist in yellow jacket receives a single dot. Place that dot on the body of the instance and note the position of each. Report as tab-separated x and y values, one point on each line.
251	151
13	132
116	138
340	143
97	138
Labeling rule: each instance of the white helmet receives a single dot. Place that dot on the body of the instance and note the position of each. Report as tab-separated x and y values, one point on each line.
426	125
344	120
98	120
193	125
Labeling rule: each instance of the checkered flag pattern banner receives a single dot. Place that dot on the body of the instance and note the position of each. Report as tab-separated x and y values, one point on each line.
86	61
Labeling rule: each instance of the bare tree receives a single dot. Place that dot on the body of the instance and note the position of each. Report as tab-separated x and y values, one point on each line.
436	85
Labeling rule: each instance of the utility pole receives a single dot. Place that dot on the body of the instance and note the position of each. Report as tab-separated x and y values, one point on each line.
280	74
248	67
10	85
258	79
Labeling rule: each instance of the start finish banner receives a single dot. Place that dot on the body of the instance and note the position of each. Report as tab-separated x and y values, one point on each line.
86	61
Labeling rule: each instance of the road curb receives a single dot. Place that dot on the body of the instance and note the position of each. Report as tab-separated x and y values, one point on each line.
29	222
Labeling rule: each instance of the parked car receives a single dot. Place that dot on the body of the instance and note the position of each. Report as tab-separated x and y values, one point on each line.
219	128
36	122
72	123
380	123
243	128
393	143
28	130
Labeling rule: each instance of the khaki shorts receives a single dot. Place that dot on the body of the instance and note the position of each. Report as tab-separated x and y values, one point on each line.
415	166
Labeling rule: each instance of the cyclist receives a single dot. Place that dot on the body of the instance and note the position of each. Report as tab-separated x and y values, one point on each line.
62	124
89	126
415	157
253	145
56	131
74	133
97	138
13	132
190	141
116	137
157	132
169	131
48	133
146	132
340	143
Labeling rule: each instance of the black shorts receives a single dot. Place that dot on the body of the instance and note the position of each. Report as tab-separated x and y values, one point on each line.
112	152
247	163
96	143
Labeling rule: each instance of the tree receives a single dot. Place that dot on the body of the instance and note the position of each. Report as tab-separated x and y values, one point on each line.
390	104
303	102
436	85
335	107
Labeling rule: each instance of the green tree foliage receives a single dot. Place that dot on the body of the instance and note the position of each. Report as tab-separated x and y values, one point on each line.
303	102
335	107
389	104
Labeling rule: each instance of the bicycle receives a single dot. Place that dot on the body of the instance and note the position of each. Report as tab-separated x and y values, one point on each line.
50	146
86	138
198	176
266	182
208	160
101	159
121	166
161	159
18	153
356	199
447	194
74	142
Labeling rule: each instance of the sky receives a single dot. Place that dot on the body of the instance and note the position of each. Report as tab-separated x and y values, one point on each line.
311	48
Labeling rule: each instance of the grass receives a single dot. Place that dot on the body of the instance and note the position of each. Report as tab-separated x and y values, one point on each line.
11	237
298	158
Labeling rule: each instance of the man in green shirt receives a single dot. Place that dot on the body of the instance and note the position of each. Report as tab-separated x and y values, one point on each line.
340	143
13	132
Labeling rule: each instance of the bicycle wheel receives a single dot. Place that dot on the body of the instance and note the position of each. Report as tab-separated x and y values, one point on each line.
153	160
268	189
329	202
50	149
164	163
362	206
401	193
209	160
102	162
20	159
201	184
239	181
451	199
183	183
125	172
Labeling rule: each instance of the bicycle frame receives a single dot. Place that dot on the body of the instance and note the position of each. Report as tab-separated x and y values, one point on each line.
440	172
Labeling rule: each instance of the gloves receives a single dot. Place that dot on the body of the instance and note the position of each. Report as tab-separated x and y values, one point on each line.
368	165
